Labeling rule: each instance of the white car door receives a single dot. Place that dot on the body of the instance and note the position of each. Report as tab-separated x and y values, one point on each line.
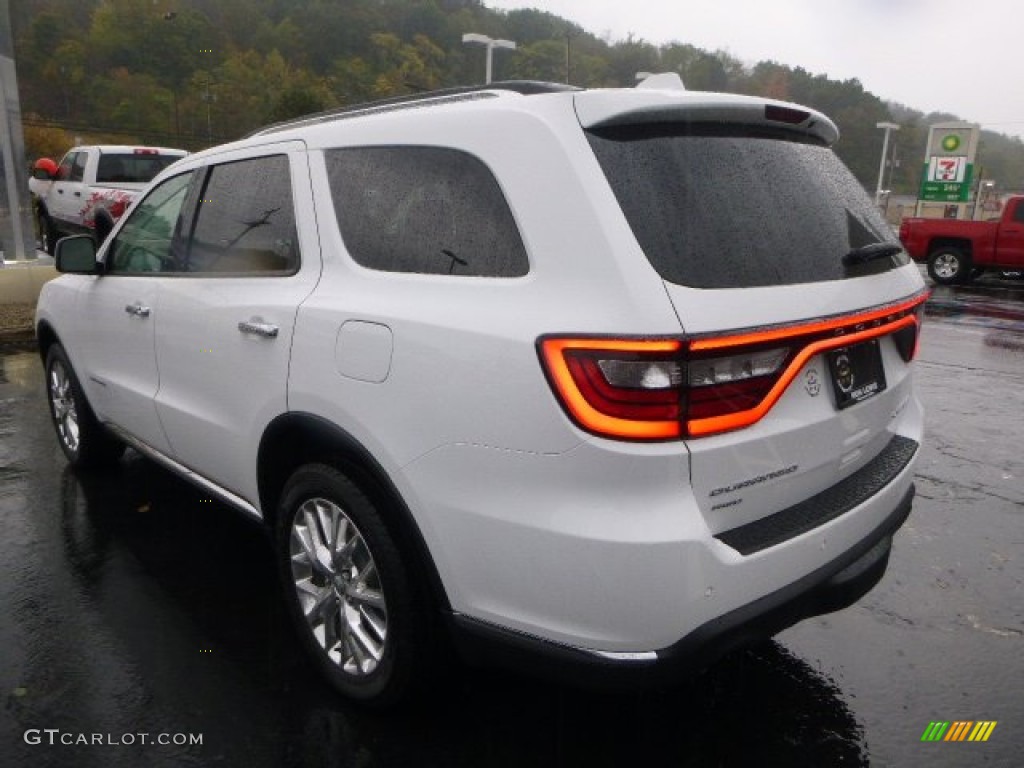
224	337
120	310
68	193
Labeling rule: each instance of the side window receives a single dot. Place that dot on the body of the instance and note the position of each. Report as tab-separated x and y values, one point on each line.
1018	215
150	241
78	168
64	172
245	222
428	210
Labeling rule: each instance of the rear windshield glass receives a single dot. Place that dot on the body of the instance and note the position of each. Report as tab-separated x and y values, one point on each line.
129	168
713	208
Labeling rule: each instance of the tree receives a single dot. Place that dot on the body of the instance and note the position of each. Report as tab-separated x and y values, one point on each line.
700	70
167	67
405	67
542	60
629	57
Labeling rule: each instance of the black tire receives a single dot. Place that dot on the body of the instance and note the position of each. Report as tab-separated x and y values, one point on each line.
949	266
86	444
47	232
368	634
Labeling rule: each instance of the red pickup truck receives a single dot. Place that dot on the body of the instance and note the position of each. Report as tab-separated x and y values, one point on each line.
959	251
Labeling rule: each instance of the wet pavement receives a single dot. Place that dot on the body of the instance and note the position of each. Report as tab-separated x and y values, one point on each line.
130	605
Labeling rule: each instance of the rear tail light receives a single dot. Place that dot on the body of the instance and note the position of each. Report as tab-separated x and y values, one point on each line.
665	389
618	388
732	383
908	338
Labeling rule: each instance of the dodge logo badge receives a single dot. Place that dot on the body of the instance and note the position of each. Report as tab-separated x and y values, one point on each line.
844	373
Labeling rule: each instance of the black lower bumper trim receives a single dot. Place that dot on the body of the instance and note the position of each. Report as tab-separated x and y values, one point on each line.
831	503
832	587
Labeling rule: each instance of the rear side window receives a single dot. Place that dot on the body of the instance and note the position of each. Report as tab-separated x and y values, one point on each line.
245	220
714	208
130	168
427	210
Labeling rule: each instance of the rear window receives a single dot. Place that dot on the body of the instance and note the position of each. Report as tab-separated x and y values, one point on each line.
127	168
714	208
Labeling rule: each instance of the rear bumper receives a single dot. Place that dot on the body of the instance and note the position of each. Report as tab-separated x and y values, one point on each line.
833	586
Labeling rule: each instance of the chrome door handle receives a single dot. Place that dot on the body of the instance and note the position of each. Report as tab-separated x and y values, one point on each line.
137	309
259	328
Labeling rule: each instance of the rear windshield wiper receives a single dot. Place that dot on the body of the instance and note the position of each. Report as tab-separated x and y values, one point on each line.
870	252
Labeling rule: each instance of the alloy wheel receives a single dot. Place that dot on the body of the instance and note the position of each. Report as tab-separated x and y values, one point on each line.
946	266
45	239
62	400
338	587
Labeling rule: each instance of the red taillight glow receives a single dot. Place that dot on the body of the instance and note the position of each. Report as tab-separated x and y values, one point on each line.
664	389
620	398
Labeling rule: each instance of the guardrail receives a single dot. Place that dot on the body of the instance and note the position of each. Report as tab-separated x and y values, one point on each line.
20	283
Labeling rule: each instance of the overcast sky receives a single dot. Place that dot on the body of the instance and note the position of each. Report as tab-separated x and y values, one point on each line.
954	56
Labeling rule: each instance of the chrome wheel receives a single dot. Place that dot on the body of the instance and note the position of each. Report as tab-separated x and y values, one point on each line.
62	401
338	587
45	234
947	266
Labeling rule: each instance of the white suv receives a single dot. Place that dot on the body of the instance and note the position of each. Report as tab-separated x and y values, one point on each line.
597	381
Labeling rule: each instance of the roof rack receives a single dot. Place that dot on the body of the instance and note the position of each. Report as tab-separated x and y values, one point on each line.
426	98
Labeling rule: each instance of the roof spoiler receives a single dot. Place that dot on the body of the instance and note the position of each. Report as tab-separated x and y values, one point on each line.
647	105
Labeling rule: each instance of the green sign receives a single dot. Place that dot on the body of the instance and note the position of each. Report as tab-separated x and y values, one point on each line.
946	180
951	143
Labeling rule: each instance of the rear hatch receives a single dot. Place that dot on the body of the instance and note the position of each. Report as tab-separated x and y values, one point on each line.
799	307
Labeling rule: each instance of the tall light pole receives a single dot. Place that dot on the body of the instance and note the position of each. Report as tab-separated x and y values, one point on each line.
209	98
885	151
569	35
490	43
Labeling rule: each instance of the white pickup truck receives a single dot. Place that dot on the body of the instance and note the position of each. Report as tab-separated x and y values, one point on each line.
92	187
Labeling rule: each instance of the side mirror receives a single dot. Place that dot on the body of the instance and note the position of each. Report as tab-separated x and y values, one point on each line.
76	255
44	169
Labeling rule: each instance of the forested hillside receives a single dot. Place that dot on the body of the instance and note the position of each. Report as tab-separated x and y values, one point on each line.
194	72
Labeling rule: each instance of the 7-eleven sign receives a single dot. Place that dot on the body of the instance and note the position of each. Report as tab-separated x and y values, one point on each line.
947	179
947	169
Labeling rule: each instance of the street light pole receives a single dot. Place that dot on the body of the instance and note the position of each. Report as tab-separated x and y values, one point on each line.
209	97
490	43
569	35
885	151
